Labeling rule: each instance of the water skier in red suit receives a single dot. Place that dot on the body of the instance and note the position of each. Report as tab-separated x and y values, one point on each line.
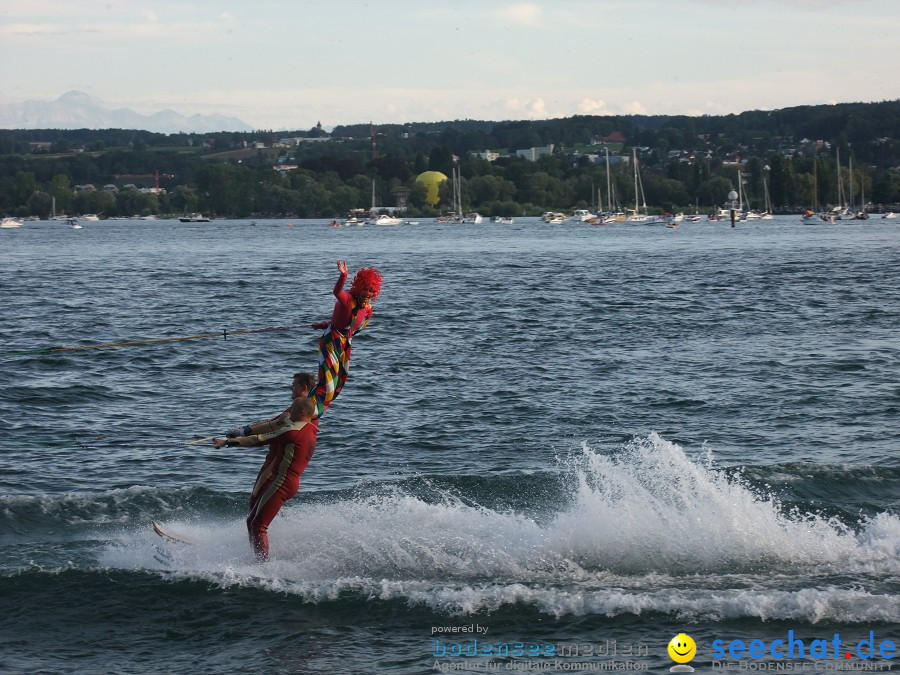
301	385
290	449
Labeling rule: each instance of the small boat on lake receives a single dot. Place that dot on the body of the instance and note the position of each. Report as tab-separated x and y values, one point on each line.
385	219
582	216
449	217
194	218
554	218
356	217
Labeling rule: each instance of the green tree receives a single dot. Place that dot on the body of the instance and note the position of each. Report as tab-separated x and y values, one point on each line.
541	189
22	186
666	193
441	159
135	202
484	189
313	200
184	200
783	182
420	164
98	201
715	191
39	204
226	189
886	188
61	190
805	189
418	193
343	199
279	200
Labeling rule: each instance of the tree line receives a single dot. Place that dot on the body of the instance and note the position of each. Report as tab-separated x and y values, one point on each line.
685	163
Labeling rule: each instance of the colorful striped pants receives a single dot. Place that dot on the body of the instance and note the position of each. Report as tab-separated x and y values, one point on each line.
334	367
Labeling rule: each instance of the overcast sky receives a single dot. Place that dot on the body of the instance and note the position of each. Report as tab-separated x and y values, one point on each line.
287	65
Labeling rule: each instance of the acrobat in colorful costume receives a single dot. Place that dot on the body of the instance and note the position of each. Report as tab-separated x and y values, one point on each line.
352	312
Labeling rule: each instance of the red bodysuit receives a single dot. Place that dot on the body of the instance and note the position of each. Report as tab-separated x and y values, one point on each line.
343	318
278	479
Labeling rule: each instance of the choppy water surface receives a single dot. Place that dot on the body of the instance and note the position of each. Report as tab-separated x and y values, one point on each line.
559	434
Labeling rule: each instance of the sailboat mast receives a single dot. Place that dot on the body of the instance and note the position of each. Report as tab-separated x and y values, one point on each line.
643	196
840	182
850	198
634	151
815	185
608	188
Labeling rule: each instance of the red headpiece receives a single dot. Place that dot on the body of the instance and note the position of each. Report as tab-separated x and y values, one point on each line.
367	277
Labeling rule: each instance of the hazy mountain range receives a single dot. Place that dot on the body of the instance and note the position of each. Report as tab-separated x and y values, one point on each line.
77	110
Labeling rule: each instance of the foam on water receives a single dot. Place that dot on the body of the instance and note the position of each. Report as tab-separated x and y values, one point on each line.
645	530
42	513
650	508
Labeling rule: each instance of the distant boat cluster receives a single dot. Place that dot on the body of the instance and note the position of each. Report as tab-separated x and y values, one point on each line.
360	217
736	209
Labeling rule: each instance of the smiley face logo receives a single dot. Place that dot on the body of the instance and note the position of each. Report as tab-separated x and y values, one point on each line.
682	648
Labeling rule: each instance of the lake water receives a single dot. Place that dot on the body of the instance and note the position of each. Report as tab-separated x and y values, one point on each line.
555	436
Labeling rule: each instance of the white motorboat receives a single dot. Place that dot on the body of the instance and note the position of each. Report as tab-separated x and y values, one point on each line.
554	218
644	219
582	216
194	218
385	219
475	218
356	217
9	224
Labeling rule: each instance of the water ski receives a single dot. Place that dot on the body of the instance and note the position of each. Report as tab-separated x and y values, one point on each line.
171	536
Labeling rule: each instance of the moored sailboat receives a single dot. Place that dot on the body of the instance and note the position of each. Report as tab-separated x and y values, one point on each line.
637	216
